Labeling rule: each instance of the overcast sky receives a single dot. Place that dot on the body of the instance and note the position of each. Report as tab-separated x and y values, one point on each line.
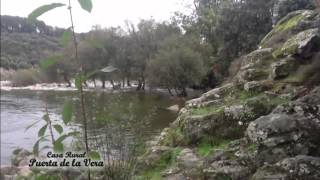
105	12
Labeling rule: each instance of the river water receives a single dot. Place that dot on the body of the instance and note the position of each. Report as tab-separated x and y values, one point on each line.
145	112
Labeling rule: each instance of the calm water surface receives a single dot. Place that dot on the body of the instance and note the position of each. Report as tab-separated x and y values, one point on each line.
146	113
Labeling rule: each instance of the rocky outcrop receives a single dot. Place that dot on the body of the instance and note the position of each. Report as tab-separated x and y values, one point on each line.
289	130
262	124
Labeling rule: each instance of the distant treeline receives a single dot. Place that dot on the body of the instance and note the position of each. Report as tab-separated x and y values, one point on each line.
193	50
16	24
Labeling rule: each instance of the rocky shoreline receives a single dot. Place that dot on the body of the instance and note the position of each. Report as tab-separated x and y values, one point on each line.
264	124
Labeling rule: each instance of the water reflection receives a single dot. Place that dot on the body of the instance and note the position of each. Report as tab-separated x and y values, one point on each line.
128	114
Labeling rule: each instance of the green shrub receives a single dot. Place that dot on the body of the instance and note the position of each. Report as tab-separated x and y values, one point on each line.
25	77
209	144
6	74
174	137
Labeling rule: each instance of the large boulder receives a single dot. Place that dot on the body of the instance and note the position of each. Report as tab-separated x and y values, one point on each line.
304	44
289	130
256	58
299	167
290	25
257	86
252	65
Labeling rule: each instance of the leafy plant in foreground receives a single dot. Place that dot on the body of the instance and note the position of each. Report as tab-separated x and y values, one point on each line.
79	79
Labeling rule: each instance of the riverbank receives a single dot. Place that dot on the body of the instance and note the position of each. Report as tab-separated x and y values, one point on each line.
94	87
263	124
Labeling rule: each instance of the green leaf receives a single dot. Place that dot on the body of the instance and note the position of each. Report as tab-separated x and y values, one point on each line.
86	5
42	130
45	147
41	10
67	112
74	133
58	146
36	146
94	155
58	128
28	127
79	80
66	37
46	117
50	61
61	138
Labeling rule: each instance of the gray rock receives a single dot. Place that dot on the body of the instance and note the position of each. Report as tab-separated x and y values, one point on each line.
262	130
196	126
187	159
256	86
227	169
289	130
289	26
299	167
302	44
213	94
252	74
256	58
190	164
178	176
154	155
173	173
174	108
283	68
234	111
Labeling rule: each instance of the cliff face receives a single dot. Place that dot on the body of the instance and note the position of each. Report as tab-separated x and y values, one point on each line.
24	45
264	124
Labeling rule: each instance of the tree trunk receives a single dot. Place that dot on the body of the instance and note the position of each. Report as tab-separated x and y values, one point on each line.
94	82
143	83
175	90
128	82
184	92
139	85
112	83
169	90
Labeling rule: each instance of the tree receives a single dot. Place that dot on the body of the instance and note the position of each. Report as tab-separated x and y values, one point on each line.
176	65
283	7
232	27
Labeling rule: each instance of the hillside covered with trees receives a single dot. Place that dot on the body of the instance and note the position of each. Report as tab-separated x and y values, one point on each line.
23	45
